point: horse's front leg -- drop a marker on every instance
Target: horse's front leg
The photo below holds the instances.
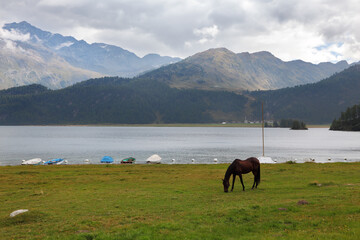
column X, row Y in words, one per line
column 240, row 175
column 234, row 175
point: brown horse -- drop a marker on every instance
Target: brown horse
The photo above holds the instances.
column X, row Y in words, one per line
column 239, row 167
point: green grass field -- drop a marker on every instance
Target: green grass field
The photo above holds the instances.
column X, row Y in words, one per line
column 179, row 202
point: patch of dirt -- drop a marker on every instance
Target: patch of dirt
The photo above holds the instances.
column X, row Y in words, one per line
column 302, row 202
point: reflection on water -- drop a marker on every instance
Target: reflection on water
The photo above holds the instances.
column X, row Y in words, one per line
column 180, row 143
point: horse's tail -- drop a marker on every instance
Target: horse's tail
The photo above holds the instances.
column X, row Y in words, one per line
column 257, row 178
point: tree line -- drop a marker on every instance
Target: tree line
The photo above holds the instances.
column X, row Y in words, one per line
column 348, row 120
column 115, row 100
column 288, row 123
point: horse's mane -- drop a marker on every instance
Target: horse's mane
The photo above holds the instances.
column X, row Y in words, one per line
column 229, row 171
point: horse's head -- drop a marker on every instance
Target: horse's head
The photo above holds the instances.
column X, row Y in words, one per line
column 226, row 185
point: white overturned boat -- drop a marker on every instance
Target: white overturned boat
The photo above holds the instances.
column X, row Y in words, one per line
column 34, row 161
column 266, row 160
column 155, row 159
column 65, row 162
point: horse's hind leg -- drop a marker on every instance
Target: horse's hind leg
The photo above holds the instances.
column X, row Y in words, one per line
column 254, row 180
column 242, row 182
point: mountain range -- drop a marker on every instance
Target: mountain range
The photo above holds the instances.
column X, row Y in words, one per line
column 221, row 69
column 22, row 63
column 32, row 55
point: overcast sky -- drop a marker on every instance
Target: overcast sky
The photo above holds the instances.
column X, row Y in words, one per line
column 311, row 30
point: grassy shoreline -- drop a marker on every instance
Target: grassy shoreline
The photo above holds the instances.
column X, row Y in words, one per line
column 179, row 202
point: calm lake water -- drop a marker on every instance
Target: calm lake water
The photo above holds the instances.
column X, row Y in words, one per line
column 180, row 143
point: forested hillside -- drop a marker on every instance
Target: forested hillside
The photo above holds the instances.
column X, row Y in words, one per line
column 116, row 100
column 348, row 120
column 120, row 101
column 314, row 103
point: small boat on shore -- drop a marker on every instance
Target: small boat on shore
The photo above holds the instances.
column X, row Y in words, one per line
column 55, row 161
column 34, row 161
column 128, row 160
column 107, row 159
column 154, row 159
column 62, row 162
column 263, row 159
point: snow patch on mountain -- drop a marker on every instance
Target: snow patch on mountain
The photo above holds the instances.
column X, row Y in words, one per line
column 65, row 44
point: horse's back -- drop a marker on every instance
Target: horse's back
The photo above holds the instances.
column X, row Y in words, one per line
column 254, row 161
column 245, row 166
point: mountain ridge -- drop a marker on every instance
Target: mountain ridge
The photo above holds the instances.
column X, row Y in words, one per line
column 222, row 69
column 23, row 64
column 99, row 57
column 213, row 69
column 76, row 60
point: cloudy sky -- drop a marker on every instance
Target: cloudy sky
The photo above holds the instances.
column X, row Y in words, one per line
column 311, row 30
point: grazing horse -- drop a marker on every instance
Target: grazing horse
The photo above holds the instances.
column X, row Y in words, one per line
column 239, row 167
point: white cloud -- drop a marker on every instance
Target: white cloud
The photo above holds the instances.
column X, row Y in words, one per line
column 13, row 35
column 290, row 29
column 62, row 3
column 9, row 38
column 207, row 32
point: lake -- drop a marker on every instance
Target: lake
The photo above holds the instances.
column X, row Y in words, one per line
column 203, row 144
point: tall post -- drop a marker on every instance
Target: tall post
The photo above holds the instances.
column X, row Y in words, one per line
column 262, row 114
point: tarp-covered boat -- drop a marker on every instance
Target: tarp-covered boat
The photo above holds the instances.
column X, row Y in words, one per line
column 128, row 160
column 55, row 161
column 107, row 159
column 154, row 159
column 34, row 161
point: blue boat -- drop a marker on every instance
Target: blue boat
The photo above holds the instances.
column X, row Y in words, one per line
column 107, row 159
column 55, row 161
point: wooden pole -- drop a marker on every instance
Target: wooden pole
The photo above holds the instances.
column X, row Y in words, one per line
column 262, row 114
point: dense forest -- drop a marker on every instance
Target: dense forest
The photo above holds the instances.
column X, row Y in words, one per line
column 319, row 102
column 348, row 121
column 114, row 100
